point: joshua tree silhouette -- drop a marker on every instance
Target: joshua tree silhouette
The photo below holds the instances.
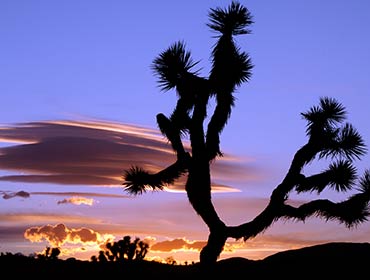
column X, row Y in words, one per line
column 125, row 249
column 49, row 254
column 327, row 136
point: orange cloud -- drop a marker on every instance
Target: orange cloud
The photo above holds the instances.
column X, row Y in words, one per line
column 60, row 234
column 183, row 244
column 77, row 200
column 178, row 244
column 256, row 248
column 95, row 153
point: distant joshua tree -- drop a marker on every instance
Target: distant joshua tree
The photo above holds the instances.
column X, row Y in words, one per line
column 171, row 260
column 49, row 254
column 124, row 249
column 328, row 138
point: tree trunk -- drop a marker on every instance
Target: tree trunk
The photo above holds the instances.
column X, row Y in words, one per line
column 198, row 188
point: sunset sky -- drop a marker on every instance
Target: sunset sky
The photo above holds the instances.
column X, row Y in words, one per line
column 78, row 107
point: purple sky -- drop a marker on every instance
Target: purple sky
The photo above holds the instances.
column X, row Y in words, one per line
column 79, row 102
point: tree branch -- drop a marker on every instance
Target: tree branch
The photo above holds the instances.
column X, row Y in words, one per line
column 138, row 181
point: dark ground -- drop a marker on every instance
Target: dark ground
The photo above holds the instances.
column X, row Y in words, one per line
column 326, row 261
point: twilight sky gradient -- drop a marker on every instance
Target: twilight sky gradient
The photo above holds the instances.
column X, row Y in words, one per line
column 78, row 106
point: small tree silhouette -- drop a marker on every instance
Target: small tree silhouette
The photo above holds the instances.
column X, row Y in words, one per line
column 124, row 249
column 328, row 138
column 171, row 260
column 49, row 254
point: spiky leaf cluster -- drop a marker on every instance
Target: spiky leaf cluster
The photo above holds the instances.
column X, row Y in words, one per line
column 172, row 65
column 333, row 139
column 325, row 116
column 340, row 176
column 230, row 21
column 138, row 181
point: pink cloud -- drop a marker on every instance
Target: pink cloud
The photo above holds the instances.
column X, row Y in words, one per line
column 94, row 153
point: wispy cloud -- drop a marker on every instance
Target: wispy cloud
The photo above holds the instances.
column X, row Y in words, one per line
column 8, row 195
column 43, row 218
column 77, row 198
column 24, row 194
column 88, row 194
column 94, row 153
